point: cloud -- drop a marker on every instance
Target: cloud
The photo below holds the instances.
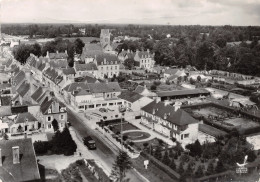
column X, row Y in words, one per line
column 183, row 12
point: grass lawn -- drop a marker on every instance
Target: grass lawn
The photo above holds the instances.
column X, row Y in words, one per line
column 140, row 145
column 126, row 126
column 153, row 173
column 137, row 135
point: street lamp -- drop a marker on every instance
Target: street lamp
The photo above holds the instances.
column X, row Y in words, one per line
column 122, row 110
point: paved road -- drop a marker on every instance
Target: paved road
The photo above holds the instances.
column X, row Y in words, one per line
column 104, row 151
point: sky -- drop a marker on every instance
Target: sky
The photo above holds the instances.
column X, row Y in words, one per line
column 172, row 12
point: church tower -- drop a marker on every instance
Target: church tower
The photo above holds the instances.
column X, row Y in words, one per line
column 105, row 37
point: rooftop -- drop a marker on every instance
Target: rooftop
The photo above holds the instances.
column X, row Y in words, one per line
column 130, row 96
column 167, row 112
column 104, row 87
column 85, row 67
column 182, row 92
column 211, row 130
column 26, row 169
column 26, row 116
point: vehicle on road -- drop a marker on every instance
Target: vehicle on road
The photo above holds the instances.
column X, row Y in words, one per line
column 89, row 142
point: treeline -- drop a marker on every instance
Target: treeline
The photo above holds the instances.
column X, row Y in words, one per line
column 22, row 52
column 156, row 32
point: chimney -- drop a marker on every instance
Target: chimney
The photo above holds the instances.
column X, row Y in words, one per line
column 66, row 52
column 25, row 135
column 1, row 163
column 165, row 116
column 153, row 111
column 16, row 155
column 158, row 99
column 148, row 50
column 166, row 103
column 47, row 54
column 105, row 61
column 123, row 50
column 177, row 105
column 128, row 50
column 57, row 52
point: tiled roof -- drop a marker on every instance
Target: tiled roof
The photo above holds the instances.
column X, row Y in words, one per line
column 182, row 92
column 211, row 130
column 38, row 92
column 179, row 117
column 171, row 71
column 86, row 67
column 45, row 105
column 5, row 86
column 31, row 61
column 26, row 169
column 104, row 87
column 8, row 62
column 68, row 71
column 139, row 89
column 91, row 53
column 58, row 63
column 19, row 77
column 23, row 89
column 26, row 116
column 130, row 96
column 76, row 86
column 89, row 79
column 110, row 59
column 5, row 111
column 6, row 101
column 53, row 75
column 59, row 55
column 144, row 53
column 93, row 47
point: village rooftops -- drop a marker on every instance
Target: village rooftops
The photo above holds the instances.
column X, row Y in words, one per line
column 167, row 112
column 68, row 71
column 25, row 117
column 130, row 96
column 204, row 128
column 76, row 86
column 85, row 67
column 19, row 77
column 183, row 92
column 46, row 105
column 107, row 59
column 104, row 87
column 26, row 167
column 23, row 89
column 57, row 55
column 38, row 92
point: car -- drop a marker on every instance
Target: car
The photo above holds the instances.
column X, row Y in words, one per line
column 89, row 142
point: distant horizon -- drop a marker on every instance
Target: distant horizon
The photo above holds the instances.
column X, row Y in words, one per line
column 150, row 12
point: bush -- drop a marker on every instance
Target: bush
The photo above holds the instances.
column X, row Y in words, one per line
column 41, row 147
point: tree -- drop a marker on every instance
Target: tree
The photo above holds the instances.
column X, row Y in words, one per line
column 153, row 87
column 199, row 173
column 210, row 169
column 199, row 78
column 166, row 160
column 172, row 164
column 121, row 166
column 5, row 136
column 129, row 63
column 220, row 167
column 158, row 152
column 189, row 170
column 180, row 168
column 55, row 125
column 192, row 81
column 78, row 44
column 251, row 156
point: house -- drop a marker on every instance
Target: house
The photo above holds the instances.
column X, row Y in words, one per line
column 50, row 110
column 174, row 74
column 108, row 65
column 57, row 56
column 86, row 96
column 170, row 121
column 89, row 68
column 52, row 78
column 142, row 90
column 18, row 161
column 134, row 101
column 68, row 73
column 123, row 55
column 144, row 59
column 24, row 122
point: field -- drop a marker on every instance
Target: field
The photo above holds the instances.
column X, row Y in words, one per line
column 126, row 126
column 137, row 135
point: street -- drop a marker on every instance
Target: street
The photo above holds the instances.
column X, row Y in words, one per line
column 104, row 152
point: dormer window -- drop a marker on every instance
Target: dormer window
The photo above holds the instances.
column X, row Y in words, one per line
column 61, row 109
column 165, row 116
column 49, row 110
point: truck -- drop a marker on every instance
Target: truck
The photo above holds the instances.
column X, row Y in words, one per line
column 89, row 142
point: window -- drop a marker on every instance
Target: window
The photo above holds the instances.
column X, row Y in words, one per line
column 186, row 135
column 81, row 107
column 115, row 67
column 98, row 105
column 62, row 117
column 49, row 118
column 111, row 104
column 181, row 137
column 101, row 68
column 49, row 126
column 91, row 106
column 119, row 103
column 104, row 104
column 49, row 110
column 61, row 125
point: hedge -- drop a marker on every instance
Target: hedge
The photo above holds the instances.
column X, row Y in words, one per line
column 160, row 165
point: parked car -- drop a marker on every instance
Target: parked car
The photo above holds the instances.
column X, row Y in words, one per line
column 89, row 142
